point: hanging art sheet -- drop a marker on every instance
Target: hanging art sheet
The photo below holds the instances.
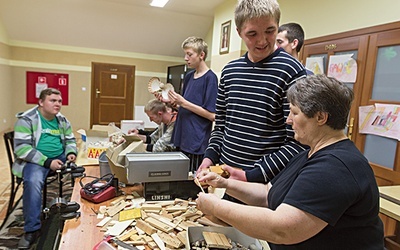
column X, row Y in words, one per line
column 315, row 64
column 343, row 68
column 381, row 120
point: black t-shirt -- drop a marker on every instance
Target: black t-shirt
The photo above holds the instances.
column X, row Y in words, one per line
column 338, row 186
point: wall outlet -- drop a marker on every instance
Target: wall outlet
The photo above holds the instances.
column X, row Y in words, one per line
column 5, row 120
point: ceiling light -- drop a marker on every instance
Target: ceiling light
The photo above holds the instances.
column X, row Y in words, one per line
column 159, row 3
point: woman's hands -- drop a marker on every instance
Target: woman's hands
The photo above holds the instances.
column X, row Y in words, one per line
column 207, row 203
column 212, row 179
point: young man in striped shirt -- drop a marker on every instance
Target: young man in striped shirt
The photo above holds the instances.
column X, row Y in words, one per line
column 250, row 130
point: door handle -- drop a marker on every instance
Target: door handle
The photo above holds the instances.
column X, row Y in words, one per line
column 97, row 93
column 351, row 125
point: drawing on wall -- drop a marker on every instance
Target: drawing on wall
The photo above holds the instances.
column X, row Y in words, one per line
column 380, row 119
column 343, row 68
column 315, row 64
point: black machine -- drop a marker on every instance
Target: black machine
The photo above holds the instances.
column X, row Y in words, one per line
column 59, row 206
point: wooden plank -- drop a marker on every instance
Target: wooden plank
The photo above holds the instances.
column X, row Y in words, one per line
column 119, row 227
column 147, row 228
column 158, row 241
column 159, row 225
column 151, row 207
column 126, row 235
column 170, row 241
column 113, row 210
column 216, row 240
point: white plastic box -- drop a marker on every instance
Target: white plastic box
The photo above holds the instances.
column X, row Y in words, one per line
column 127, row 125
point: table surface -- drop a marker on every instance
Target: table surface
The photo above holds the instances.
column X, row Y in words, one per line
column 82, row 233
column 388, row 207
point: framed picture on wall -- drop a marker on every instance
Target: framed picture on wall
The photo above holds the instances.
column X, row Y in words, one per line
column 225, row 37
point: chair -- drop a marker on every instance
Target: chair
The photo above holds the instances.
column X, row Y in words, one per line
column 16, row 181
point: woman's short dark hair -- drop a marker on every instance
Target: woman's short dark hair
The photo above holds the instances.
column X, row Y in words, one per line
column 319, row 93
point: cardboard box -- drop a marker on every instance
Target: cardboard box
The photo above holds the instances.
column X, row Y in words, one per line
column 116, row 157
column 97, row 139
column 155, row 167
column 196, row 234
column 96, row 143
column 110, row 129
column 127, row 125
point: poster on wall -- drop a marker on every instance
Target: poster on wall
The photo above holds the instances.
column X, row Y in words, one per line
column 37, row 81
column 381, row 120
column 315, row 64
column 343, row 68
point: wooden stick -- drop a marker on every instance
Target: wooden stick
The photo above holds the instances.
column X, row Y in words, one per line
column 196, row 180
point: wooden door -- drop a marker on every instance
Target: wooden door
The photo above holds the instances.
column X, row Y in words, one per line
column 377, row 52
column 381, row 85
column 112, row 95
column 325, row 48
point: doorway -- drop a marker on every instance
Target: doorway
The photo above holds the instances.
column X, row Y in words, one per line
column 175, row 76
column 112, row 93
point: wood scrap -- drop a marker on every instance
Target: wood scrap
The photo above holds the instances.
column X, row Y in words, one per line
column 171, row 242
column 118, row 199
column 159, row 225
column 162, row 219
column 119, row 227
column 182, row 236
column 147, row 228
column 127, row 234
column 158, row 241
column 103, row 222
column 113, row 210
column 151, row 207
column 216, row 240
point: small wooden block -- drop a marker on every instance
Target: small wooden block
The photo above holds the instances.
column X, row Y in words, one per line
column 182, row 236
column 115, row 201
column 218, row 170
column 169, row 240
column 126, row 235
column 113, row 210
column 158, row 241
column 103, row 222
column 159, row 225
column 152, row 245
column 147, row 228
column 216, row 240
column 151, row 207
column 177, row 208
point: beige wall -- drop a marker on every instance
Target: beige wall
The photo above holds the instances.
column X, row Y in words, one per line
column 16, row 59
column 318, row 19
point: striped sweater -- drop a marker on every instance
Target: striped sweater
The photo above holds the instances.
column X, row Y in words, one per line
column 27, row 132
column 250, row 125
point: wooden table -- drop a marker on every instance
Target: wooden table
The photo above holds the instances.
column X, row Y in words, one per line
column 390, row 201
column 390, row 206
column 82, row 233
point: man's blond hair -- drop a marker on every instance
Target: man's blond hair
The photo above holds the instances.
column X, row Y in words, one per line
column 249, row 9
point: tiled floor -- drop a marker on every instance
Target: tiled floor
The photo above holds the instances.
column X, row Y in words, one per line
column 5, row 180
